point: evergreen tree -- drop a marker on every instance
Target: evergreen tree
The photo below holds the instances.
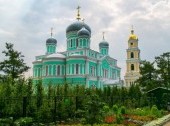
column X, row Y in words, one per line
column 148, row 80
column 14, row 64
column 163, row 64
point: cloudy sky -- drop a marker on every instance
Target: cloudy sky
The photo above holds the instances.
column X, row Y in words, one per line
column 27, row 23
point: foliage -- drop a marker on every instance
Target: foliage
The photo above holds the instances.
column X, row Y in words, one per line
column 27, row 121
column 93, row 110
column 155, row 112
column 14, row 65
column 115, row 109
column 65, row 104
column 163, row 68
column 123, row 110
column 156, row 73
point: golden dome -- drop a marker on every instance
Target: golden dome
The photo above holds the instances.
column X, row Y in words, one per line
column 132, row 35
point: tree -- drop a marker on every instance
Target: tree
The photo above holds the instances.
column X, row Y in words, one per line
column 93, row 110
column 148, row 79
column 14, row 65
column 163, row 64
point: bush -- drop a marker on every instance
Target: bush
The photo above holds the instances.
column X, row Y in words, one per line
column 155, row 112
column 119, row 118
column 6, row 121
column 115, row 109
column 123, row 110
column 106, row 109
column 27, row 121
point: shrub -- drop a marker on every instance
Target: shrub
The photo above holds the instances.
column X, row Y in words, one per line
column 155, row 112
column 115, row 109
column 6, row 121
column 106, row 109
column 27, row 121
column 123, row 110
column 119, row 118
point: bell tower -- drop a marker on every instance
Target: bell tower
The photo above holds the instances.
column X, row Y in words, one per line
column 133, row 60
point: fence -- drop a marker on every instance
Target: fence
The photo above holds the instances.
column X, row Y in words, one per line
column 54, row 109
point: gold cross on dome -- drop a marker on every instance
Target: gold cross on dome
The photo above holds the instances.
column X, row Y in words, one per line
column 78, row 13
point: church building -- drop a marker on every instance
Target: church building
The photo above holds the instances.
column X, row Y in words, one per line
column 79, row 64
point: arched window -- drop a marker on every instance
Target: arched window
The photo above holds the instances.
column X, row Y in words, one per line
column 132, row 55
column 77, row 69
column 46, row 71
column 58, row 70
column 77, row 44
column 132, row 67
column 84, row 42
column 50, row 70
column 71, row 43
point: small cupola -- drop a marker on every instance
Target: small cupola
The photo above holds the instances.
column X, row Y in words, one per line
column 132, row 36
column 51, row 44
column 104, row 46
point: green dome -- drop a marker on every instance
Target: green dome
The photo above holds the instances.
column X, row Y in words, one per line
column 103, row 44
column 51, row 41
column 83, row 32
column 76, row 26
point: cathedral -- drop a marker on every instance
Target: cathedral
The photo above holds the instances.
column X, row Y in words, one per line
column 79, row 64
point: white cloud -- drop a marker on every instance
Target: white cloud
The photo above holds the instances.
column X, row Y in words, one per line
column 27, row 24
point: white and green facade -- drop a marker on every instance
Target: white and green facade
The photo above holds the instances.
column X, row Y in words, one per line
column 78, row 64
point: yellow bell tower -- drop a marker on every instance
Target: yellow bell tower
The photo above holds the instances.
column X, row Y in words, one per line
column 133, row 60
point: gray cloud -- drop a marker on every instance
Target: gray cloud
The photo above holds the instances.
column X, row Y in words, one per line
column 27, row 24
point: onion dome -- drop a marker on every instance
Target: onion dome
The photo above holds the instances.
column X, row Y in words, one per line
column 103, row 44
column 83, row 32
column 132, row 36
column 51, row 41
column 76, row 26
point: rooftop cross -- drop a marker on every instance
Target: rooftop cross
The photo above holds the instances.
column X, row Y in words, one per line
column 103, row 35
column 51, row 31
column 78, row 13
column 132, row 31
